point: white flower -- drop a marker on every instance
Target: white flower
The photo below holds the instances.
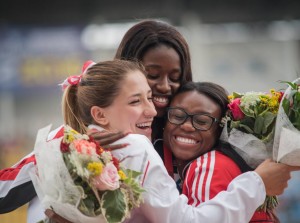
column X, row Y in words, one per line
column 106, row 156
column 78, row 162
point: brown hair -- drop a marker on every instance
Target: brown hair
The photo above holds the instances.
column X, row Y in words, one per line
column 98, row 87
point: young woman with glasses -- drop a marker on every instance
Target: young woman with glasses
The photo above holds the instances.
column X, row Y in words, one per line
column 205, row 165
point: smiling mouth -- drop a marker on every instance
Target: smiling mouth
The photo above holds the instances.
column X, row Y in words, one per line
column 144, row 125
column 185, row 140
column 163, row 101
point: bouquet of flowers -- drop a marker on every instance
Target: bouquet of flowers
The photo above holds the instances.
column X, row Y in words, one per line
column 286, row 147
column 249, row 127
column 81, row 181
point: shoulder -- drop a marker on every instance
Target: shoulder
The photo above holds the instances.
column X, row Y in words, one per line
column 135, row 139
column 56, row 133
column 224, row 160
column 138, row 145
column 214, row 161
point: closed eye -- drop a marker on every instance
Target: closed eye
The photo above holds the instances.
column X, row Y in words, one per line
column 134, row 102
column 152, row 76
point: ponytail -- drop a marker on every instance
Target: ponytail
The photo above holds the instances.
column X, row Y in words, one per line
column 71, row 111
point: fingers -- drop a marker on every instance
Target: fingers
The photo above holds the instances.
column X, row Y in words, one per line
column 294, row 168
column 116, row 146
column 55, row 217
column 106, row 138
column 49, row 213
column 275, row 176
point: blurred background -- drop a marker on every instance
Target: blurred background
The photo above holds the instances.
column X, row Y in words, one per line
column 242, row 45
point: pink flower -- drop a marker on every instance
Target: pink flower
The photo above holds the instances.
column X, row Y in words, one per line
column 108, row 179
column 235, row 109
column 84, row 147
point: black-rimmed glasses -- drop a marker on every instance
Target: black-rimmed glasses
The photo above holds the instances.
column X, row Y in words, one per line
column 202, row 122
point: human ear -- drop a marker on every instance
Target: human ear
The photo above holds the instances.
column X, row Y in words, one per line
column 99, row 116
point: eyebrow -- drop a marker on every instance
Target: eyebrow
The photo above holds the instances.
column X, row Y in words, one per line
column 138, row 94
column 158, row 66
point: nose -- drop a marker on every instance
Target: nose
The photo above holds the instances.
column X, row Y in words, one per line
column 163, row 85
column 150, row 111
column 187, row 125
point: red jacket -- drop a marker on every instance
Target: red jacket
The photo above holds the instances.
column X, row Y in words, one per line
column 210, row 174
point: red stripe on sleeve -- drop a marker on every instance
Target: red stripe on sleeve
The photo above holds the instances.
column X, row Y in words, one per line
column 147, row 167
column 11, row 173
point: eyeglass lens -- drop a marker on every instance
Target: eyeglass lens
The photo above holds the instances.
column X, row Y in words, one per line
column 199, row 121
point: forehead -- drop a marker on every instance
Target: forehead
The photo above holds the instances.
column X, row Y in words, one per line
column 193, row 102
column 134, row 80
column 162, row 53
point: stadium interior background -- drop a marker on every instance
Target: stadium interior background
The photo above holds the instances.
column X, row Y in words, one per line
column 242, row 45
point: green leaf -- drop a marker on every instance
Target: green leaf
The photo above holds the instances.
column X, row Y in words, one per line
column 249, row 113
column 258, row 125
column 269, row 119
column 294, row 86
column 114, row 206
column 234, row 124
column 246, row 129
column 297, row 99
column 296, row 122
column 286, row 105
column 133, row 188
column 236, row 95
column 132, row 173
column 269, row 204
column 269, row 136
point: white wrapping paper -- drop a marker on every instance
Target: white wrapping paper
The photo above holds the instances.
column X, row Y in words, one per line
column 53, row 183
column 253, row 150
column 286, row 148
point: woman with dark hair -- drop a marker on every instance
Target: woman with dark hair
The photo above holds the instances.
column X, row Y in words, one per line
column 205, row 164
column 165, row 55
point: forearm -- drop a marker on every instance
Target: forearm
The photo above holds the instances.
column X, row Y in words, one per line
column 16, row 188
column 244, row 194
column 237, row 204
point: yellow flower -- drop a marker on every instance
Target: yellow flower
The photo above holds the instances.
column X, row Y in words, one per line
column 95, row 168
column 122, row 175
column 230, row 97
column 70, row 135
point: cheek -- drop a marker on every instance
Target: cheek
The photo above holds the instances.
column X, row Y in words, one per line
column 175, row 87
column 209, row 140
column 126, row 120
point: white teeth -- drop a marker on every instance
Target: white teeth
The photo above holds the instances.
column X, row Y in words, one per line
column 143, row 125
column 186, row 140
column 161, row 99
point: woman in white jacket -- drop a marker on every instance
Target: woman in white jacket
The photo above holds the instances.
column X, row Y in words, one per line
column 115, row 95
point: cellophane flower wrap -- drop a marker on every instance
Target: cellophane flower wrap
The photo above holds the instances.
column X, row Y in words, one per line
column 286, row 147
column 81, row 181
column 249, row 127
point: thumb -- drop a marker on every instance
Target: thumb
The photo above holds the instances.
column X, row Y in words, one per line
column 294, row 168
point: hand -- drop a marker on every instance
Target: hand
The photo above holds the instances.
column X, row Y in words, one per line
column 106, row 138
column 275, row 176
column 55, row 218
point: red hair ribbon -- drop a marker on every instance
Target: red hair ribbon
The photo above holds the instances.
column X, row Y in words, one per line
column 75, row 79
